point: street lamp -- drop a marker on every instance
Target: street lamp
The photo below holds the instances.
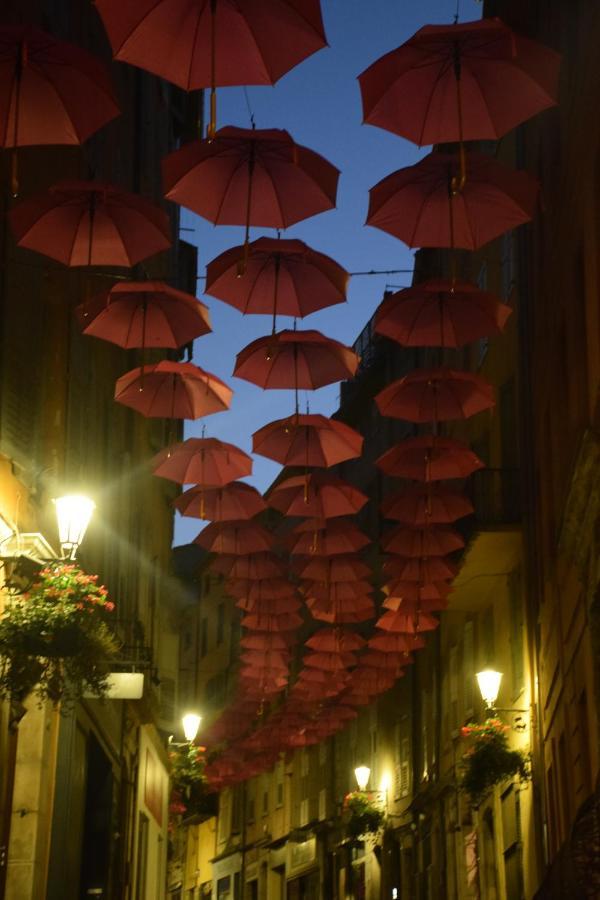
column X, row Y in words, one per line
column 362, row 773
column 489, row 686
column 73, row 514
column 191, row 724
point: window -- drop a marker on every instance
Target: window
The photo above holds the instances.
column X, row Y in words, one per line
column 511, row 828
column 203, row 637
column 322, row 804
column 265, row 802
column 220, row 623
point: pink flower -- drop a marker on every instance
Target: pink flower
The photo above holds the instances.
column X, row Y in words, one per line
column 109, row 605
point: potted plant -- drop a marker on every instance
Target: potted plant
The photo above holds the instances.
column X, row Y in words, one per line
column 188, row 779
column 362, row 816
column 55, row 640
column 489, row 759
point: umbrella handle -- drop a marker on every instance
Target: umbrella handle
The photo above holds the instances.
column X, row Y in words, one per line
column 458, row 183
column 20, row 63
column 276, row 289
column 212, row 125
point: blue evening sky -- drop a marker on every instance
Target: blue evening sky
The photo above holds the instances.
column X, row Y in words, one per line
column 319, row 104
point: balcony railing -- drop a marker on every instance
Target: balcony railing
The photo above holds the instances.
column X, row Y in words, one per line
column 495, row 494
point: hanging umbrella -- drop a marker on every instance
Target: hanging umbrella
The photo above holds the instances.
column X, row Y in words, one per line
column 275, row 659
column 248, row 176
column 338, row 568
column 441, row 313
column 336, row 538
column 144, row 314
column 209, row 43
column 173, row 390
column 375, row 659
column 269, row 606
column 87, row 223
column 307, row 440
column 417, row 204
column 420, row 569
column 407, row 623
column 335, row 640
column 375, row 681
column 264, row 642
column 239, row 537
column 396, row 643
column 464, row 82
column 415, row 591
column 433, row 504
column 422, row 541
column 51, row 92
column 345, row 612
column 283, row 622
column 236, row 500
column 254, row 565
column 413, row 606
column 320, row 494
column 337, row 591
column 206, row 461
column 436, row 395
column 429, row 458
column 330, row 662
column 281, row 277
column 303, row 360
column 263, row 589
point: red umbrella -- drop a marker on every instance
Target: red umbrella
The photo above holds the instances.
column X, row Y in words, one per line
column 337, row 591
column 337, row 537
column 269, row 605
column 264, row 642
column 283, row 622
column 264, row 589
column 173, row 390
column 436, row 395
column 145, row 314
column 430, row 505
column 407, row 623
column 320, row 494
column 307, row 440
column 275, row 659
column 422, row 541
column 417, row 205
column 209, row 43
column 235, row 500
column 468, row 81
column 345, row 612
column 87, row 223
column 413, row 606
column 339, row 568
column 281, row 277
column 441, row 313
column 429, row 458
column 304, row 360
column 375, row 681
column 330, row 662
column 396, row 643
column 247, row 176
column 375, row 659
column 335, row 640
column 416, row 592
column 422, row 569
column 240, row 537
column 206, row 461
column 51, row 92
column 254, row 565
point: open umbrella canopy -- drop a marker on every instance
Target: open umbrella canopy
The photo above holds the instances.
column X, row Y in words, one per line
column 268, row 623
column 206, row 461
column 467, row 81
column 376, row 659
column 415, row 591
column 335, row 640
column 304, row 360
column 432, row 504
column 247, row 176
column 429, row 458
column 330, row 662
column 260, row 589
column 88, row 223
column 322, row 495
column 264, row 642
column 240, row 537
column 173, row 390
column 199, row 43
column 269, row 606
column 421, row 570
column 417, row 205
column 432, row 541
column 396, row 643
column 144, row 314
column 307, row 440
column 259, row 659
column 441, row 313
column 337, row 568
column 436, row 395
column 414, row 606
column 236, row 500
column 336, row 538
column 281, row 277
column 407, row 622
column 337, row 591
column 342, row 612
column 51, row 92
column 252, row 565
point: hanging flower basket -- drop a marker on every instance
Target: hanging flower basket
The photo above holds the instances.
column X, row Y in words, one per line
column 361, row 816
column 489, row 760
column 55, row 640
column 188, row 779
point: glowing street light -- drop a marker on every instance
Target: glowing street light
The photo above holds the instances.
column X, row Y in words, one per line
column 73, row 514
column 489, row 686
column 191, row 724
column 362, row 774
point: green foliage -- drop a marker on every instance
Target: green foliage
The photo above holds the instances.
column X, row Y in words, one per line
column 489, row 760
column 187, row 766
column 54, row 640
column 362, row 816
